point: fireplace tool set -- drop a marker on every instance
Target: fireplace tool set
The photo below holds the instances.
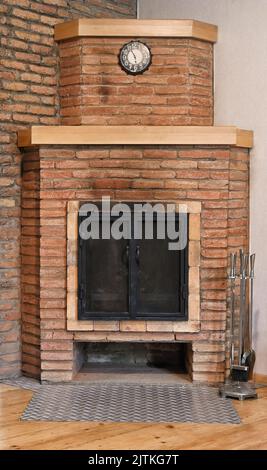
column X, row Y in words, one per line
column 241, row 367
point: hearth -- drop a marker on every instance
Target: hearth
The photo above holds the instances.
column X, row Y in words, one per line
column 132, row 278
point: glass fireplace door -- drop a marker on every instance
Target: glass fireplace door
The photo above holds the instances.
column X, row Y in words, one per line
column 132, row 279
column 104, row 279
column 158, row 278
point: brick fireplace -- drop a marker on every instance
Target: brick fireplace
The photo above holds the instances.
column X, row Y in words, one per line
column 141, row 138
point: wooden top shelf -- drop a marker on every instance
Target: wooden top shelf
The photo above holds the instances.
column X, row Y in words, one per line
column 135, row 135
column 136, row 28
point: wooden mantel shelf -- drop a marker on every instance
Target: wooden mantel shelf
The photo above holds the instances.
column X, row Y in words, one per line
column 135, row 135
column 136, row 28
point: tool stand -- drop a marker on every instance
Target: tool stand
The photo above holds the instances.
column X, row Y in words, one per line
column 238, row 385
column 240, row 390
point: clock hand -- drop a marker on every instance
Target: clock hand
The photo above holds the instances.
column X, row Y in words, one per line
column 134, row 56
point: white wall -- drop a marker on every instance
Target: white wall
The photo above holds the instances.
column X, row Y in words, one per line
column 240, row 99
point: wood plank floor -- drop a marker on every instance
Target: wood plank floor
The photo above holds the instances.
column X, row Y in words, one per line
column 14, row 434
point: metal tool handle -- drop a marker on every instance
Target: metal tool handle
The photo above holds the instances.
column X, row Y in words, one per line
column 252, row 265
column 246, row 266
column 232, row 265
column 241, row 254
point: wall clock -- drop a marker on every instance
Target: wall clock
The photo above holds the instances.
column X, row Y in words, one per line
column 135, row 57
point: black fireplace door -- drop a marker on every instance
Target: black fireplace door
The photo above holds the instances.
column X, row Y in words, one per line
column 132, row 279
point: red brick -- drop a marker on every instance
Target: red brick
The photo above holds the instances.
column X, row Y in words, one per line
column 208, row 194
column 160, row 153
column 211, row 378
column 28, row 15
column 56, row 376
column 53, row 324
column 25, row 118
column 57, row 356
column 13, row 64
column 192, row 174
column 214, row 232
column 215, row 278
column 216, row 184
column 205, row 153
column 147, row 184
column 56, row 345
column 209, row 357
column 31, row 77
column 208, row 347
column 214, row 243
column 212, row 367
column 214, row 214
column 214, row 315
column 181, row 184
column 17, row 44
column 214, row 253
column 57, row 365
column 214, row 263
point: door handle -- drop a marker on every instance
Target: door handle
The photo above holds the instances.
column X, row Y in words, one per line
column 125, row 255
column 137, row 255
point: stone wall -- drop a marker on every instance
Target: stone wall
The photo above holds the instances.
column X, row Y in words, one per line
column 28, row 95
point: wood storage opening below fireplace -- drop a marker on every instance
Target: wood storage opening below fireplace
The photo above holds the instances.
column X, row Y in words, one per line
column 133, row 362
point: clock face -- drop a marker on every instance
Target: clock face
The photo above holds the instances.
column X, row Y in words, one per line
column 135, row 57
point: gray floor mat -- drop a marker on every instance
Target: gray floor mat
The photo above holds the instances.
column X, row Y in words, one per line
column 122, row 402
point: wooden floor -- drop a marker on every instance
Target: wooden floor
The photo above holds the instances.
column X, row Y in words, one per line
column 14, row 434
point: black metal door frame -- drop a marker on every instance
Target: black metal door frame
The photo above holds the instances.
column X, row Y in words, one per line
column 132, row 259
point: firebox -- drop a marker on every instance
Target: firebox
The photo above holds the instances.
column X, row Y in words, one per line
column 138, row 277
